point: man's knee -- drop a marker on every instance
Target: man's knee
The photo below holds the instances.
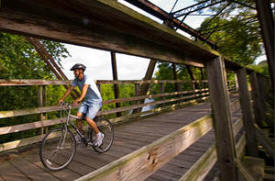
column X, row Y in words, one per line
column 88, row 119
column 79, row 115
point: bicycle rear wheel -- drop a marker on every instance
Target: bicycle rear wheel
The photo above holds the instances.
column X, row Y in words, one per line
column 57, row 149
column 106, row 127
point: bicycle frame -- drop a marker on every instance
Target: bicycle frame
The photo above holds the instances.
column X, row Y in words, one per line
column 69, row 122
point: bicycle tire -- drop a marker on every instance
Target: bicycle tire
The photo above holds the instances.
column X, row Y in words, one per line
column 49, row 141
column 106, row 127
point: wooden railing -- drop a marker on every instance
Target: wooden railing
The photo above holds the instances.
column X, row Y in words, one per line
column 174, row 101
column 145, row 161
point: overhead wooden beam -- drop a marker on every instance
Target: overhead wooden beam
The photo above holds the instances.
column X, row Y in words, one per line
column 222, row 119
column 96, row 37
column 247, row 113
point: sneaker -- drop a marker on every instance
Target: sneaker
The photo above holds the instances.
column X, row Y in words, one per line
column 77, row 139
column 99, row 139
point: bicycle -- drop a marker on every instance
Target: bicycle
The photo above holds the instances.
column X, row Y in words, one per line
column 58, row 147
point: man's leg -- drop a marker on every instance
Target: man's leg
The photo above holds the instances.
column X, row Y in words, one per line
column 91, row 113
column 79, row 123
column 92, row 124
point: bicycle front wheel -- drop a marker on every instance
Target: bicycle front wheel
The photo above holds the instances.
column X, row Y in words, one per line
column 106, row 127
column 57, row 149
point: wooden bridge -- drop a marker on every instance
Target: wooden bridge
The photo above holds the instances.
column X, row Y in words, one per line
column 173, row 141
column 184, row 131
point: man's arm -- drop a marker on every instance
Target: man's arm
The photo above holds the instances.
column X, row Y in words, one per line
column 83, row 93
column 69, row 90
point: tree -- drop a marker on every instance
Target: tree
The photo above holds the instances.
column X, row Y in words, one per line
column 237, row 37
column 19, row 60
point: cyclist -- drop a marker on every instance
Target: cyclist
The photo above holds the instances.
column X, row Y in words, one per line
column 90, row 98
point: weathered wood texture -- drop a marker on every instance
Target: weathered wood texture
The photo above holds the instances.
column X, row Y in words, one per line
column 128, row 138
column 207, row 161
column 45, row 123
column 257, row 101
column 31, row 82
column 266, row 20
column 143, row 89
column 141, row 163
column 128, row 32
column 49, row 60
column 247, row 113
column 223, row 120
column 14, row 113
column 265, row 141
column 115, row 77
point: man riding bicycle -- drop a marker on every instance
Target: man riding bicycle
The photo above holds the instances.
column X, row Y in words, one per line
column 92, row 100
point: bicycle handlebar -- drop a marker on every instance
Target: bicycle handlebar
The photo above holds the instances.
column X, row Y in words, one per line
column 66, row 105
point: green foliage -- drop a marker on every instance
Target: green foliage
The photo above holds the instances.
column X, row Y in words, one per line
column 260, row 68
column 235, row 30
column 19, row 60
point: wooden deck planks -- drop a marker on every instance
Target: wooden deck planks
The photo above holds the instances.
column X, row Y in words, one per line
column 32, row 171
column 10, row 173
column 128, row 138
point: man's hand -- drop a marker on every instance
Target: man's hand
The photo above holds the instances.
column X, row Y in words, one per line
column 76, row 102
column 60, row 101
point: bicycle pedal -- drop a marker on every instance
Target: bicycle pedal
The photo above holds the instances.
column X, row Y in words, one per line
column 90, row 144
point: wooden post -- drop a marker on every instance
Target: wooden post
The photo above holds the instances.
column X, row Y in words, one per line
column 236, row 83
column 175, row 76
column 251, row 142
column 41, row 102
column 145, row 87
column 115, row 77
column 222, row 120
column 137, row 93
column 264, row 13
column 162, row 87
column 202, row 78
column 258, row 103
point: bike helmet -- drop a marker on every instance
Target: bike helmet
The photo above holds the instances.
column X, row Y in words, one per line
column 78, row 66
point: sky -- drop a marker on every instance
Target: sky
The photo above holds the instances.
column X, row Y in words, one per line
column 98, row 62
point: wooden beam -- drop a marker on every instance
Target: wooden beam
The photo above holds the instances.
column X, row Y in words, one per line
column 28, row 126
column 14, row 113
column 175, row 76
column 30, row 82
column 265, row 142
column 264, row 13
column 202, row 167
column 148, row 75
column 258, row 103
column 121, row 109
column 48, row 59
column 98, row 37
column 143, row 162
column 145, row 87
column 192, row 76
column 222, row 116
column 247, row 113
column 115, row 77
column 244, row 173
column 182, row 93
column 35, row 139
